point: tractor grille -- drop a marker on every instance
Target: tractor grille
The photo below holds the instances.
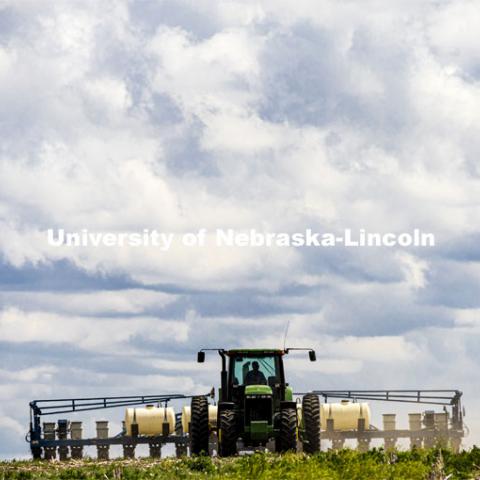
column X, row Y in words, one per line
column 258, row 407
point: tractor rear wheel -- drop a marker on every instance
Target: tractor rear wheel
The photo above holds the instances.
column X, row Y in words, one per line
column 199, row 430
column 311, row 423
column 287, row 439
column 227, row 445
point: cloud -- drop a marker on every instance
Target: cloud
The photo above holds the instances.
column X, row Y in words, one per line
column 127, row 301
column 101, row 334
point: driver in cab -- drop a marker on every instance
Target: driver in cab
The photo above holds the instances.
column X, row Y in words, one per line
column 255, row 376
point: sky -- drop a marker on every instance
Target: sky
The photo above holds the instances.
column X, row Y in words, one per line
column 277, row 115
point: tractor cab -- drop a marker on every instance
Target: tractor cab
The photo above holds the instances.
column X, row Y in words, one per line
column 250, row 367
column 255, row 372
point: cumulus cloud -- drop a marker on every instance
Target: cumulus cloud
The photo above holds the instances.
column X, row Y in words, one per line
column 99, row 334
column 274, row 115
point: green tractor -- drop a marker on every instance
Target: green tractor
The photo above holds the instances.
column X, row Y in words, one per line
column 255, row 406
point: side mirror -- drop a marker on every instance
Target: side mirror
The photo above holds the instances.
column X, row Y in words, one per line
column 200, row 357
column 312, row 356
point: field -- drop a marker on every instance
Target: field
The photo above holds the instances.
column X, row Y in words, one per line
column 343, row 465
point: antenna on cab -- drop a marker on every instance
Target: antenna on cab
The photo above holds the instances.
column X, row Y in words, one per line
column 285, row 334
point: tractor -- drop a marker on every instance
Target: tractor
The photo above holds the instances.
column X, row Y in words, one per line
column 255, row 406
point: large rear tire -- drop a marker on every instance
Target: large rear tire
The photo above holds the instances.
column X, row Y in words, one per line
column 199, row 430
column 311, row 422
column 228, row 434
column 287, row 440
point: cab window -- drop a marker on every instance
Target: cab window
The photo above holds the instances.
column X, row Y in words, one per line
column 251, row 370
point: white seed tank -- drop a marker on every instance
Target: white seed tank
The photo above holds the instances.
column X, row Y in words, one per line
column 299, row 413
column 186, row 416
column 212, row 416
column 345, row 415
column 150, row 420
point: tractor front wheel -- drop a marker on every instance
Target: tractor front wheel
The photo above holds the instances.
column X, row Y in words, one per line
column 311, row 422
column 199, row 430
column 227, row 441
column 287, row 440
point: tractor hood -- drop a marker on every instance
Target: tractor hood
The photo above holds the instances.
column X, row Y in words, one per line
column 258, row 390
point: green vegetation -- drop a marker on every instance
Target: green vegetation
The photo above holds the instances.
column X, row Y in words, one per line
column 343, row 465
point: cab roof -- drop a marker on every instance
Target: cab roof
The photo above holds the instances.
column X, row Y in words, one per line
column 255, row 351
